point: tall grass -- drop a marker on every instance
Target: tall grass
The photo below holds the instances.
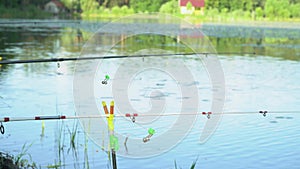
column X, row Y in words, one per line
column 60, row 144
column 74, row 142
column 23, row 162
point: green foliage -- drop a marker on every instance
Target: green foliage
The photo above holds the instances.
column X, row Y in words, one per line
column 224, row 10
column 270, row 9
column 236, row 5
column 212, row 13
column 68, row 3
column 248, row 5
column 22, row 3
column 115, row 10
column 211, row 4
column 192, row 166
column 295, row 10
column 224, row 4
column 88, row 5
column 189, row 6
column 23, row 162
column 147, row 5
column 284, row 13
column 237, row 13
column 126, row 11
column 277, row 9
column 72, row 5
column 170, row 7
column 29, row 11
column 259, row 12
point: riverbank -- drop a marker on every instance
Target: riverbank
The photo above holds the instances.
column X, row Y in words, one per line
column 6, row 161
column 264, row 23
column 31, row 12
column 200, row 19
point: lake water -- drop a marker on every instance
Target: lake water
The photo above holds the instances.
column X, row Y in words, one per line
column 268, row 80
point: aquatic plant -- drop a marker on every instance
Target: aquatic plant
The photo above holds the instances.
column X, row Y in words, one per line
column 55, row 165
column 60, row 142
column 22, row 162
column 86, row 157
column 73, row 135
column 74, row 143
column 192, row 166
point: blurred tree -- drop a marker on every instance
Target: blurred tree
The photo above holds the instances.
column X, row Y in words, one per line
column 170, row 7
column 277, row 8
column 224, row 4
column 236, row 5
column 294, row 1
column 88, row 5
column 147, row 5
column 248, row 5
column 211, row 4
column 258, row 3
column 112, row 3
column 189, row 6
column 270, row 8
column 22, row 3
column 259, row 12
column 295, row 10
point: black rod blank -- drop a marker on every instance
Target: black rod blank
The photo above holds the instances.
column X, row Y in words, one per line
column 6, row 62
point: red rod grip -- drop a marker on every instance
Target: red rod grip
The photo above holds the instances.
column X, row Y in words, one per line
column 105, row 107
column 112, row 107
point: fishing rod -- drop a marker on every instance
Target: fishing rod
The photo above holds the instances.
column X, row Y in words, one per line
column 135, row 115
column 5, row 62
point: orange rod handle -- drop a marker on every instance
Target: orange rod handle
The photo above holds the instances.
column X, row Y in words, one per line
column 112, row 107
column 105, row 107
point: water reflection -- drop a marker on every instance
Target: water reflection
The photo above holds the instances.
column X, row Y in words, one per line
column 20, row 43
column 44, row 40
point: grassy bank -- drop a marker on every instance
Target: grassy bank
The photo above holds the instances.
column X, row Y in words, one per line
column 212, row 15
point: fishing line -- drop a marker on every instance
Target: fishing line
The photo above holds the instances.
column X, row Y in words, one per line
column 5, row 62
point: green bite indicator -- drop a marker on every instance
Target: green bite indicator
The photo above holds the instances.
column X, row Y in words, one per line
column 106, row 79
column 151, row 131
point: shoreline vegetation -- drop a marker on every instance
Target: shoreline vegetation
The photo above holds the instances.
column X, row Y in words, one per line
column 214, row 10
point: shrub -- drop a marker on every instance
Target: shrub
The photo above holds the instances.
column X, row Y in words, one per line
column 170, row 7
column 295, row 12
column 116, row 10
column 259, row 12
